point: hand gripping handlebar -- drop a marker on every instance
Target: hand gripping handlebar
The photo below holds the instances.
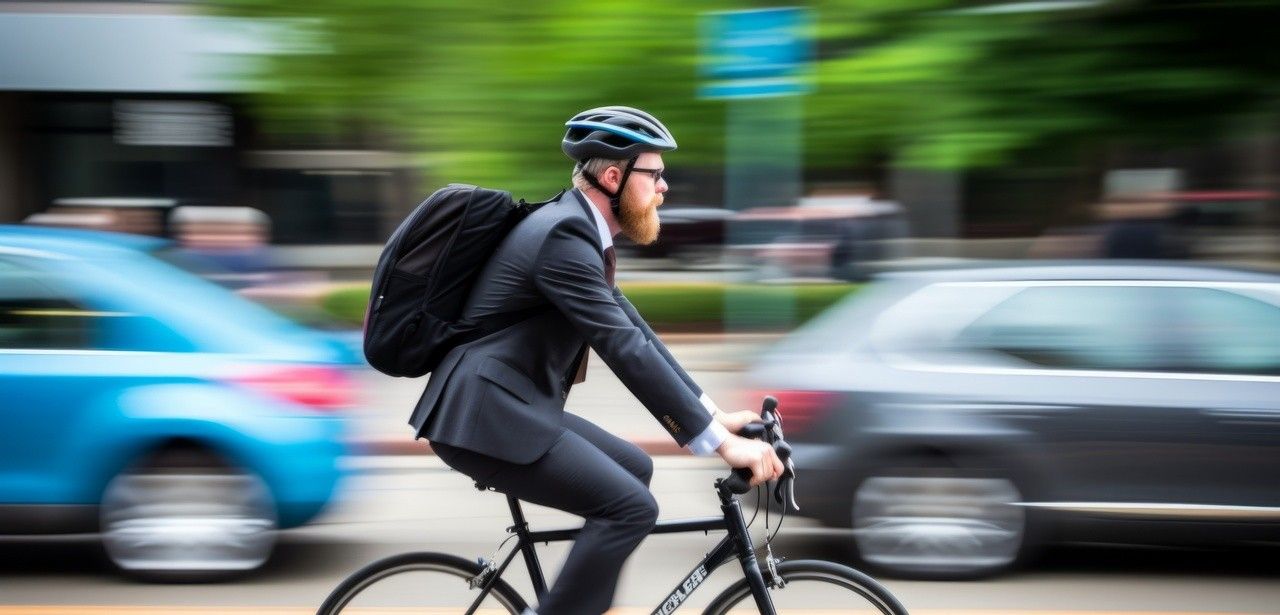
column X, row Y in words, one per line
column 769, row 430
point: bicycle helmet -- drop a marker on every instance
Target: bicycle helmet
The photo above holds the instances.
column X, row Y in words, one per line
column 615, row 133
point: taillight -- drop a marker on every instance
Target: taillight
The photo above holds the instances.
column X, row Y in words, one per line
column 799, row 409
column 314, row 386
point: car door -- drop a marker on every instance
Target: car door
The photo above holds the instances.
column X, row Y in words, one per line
column 1230, row 349
column 51, row 370
column 1088, row 365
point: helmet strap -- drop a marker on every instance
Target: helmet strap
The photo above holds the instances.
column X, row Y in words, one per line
column 615, row 198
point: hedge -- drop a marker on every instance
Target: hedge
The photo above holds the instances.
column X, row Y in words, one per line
column 679, row 306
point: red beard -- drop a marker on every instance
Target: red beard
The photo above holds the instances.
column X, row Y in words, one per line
column 638, row 222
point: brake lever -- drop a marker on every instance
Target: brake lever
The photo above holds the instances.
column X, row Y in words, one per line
column 791, row 489
column 773, row 419
column 788, row 482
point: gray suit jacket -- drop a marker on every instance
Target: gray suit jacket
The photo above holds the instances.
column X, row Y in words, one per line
column 503, row 395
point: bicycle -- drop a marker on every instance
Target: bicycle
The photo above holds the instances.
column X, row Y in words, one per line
column 479, row 585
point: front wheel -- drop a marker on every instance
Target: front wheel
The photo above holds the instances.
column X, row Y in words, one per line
column 812, row 586
column 437, row 582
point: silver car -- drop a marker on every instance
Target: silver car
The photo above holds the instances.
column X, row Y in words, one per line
column 955, row 419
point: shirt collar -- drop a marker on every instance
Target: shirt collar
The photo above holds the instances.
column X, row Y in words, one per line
column 606, row 238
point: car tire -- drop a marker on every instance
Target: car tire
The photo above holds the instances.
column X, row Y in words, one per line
column 931, row 519
column 169, row 519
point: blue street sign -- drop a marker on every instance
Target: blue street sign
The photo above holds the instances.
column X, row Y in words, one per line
column 755, row 53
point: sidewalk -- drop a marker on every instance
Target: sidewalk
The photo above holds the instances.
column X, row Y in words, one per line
column 715, row 361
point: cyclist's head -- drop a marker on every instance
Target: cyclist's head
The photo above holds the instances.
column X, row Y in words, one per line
column 605, row 138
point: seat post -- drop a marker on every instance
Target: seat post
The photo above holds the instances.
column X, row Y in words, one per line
column 517, row 515
column 521, row 528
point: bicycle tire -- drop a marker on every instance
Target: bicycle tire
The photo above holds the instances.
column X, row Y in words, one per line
column 868, row 591
column 453, row 565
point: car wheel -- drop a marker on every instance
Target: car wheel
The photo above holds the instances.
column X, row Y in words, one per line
column 183, row 523
column 938, row 523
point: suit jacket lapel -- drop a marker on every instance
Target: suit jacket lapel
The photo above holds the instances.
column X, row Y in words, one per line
column 579, row 370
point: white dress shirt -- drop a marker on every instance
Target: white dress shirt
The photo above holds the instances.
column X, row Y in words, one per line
column 709, row 440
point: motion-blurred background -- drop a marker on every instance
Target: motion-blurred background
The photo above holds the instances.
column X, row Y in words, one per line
column 1008, row 265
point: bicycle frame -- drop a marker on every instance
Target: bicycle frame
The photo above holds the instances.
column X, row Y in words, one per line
column 738, row 542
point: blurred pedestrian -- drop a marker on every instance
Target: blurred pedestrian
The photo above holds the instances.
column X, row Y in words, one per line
column 231, row 239
column 1139, row 227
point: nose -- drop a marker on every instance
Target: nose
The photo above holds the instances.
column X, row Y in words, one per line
column 661, row 186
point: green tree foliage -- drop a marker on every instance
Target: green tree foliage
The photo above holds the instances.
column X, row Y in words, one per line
column 482, row 88
column 964, row 84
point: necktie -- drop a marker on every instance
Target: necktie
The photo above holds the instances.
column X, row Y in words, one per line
column 610, row 267
column 610, row 264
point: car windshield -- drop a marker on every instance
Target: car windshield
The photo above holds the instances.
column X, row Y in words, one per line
column 842, row 327
column 218, row 318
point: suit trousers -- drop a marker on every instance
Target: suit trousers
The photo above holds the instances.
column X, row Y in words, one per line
column 590, row 473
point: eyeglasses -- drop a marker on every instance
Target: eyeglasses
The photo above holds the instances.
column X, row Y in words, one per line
column 656, row 173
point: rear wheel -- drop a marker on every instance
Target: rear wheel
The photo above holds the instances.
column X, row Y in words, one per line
column 812, row 587
column 184, row 515
column 438, row 583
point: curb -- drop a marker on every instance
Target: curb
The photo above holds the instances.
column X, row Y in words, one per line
column 651, row 446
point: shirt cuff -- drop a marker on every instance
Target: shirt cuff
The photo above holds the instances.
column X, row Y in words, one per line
column 706, row 443
column 709, row 405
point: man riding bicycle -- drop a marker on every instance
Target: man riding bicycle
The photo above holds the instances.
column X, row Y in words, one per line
column 494, row 408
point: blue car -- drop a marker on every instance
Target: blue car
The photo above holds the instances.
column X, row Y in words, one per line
column 182, row 422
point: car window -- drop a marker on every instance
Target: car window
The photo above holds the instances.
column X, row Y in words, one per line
column 1227, row 332
column 33, row 315
column 1074, row 327
column 42, row 310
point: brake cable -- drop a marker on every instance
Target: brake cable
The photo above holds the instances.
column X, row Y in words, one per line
column 759, row 496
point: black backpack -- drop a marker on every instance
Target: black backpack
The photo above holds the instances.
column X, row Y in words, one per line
column 426, row 272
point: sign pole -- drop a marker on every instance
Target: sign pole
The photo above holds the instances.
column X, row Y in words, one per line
column 756, row 60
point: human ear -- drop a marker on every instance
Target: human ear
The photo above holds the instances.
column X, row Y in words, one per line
column 612, row 178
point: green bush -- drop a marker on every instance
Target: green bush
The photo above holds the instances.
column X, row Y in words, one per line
column 737, row 306
column 684, row 306
column 347, row 303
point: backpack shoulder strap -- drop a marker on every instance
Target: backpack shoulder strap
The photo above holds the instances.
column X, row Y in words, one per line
column 497, row 323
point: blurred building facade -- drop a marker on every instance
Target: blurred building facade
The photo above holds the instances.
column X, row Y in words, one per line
column 145, row 104
column 126, row 110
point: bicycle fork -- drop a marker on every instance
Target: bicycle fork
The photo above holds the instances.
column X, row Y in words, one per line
column 746, row 553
